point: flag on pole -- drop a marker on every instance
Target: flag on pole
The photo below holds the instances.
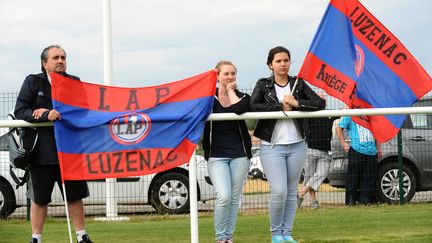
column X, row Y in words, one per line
column 356, row 59
column 112, row 132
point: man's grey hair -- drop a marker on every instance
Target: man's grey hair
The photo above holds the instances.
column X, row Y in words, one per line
column 44, row 54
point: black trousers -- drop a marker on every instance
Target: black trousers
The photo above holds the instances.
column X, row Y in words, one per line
column 360, row 178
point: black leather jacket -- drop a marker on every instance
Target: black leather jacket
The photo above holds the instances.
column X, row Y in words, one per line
column 264, row 98
column 30, row 98
column 239, row 108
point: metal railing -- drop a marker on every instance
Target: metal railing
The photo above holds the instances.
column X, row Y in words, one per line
column 256, row 189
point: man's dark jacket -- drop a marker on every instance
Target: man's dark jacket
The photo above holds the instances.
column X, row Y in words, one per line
column 36, row 94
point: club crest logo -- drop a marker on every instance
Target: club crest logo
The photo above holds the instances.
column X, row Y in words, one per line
column 360, row 60
column 130, row 128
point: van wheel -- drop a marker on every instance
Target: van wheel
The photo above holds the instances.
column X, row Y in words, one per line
column 170, row 194
column 7, row 199
column 388, row 183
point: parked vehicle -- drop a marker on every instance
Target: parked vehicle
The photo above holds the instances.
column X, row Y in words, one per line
column 417, row 160
column 256, row 170
column 167, row 192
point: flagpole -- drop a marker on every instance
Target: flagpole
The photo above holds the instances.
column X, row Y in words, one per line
column 295, row 85
column 193, row 198
column 67, row 211
column 111, row 211
column 111, row 202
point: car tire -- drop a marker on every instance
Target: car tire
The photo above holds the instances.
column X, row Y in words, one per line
column 256, row 174
column 264, row 177
column 7, row 199
column 170, row 194
column 388, row 183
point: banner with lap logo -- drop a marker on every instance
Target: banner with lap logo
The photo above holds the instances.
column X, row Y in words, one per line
column 112, row 132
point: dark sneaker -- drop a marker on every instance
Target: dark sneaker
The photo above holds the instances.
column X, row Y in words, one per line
column 33, row 240
column 299, row 201
column 314, row 205
column 85, row 239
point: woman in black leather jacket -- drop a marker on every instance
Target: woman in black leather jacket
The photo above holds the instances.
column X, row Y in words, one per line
column 283, row 149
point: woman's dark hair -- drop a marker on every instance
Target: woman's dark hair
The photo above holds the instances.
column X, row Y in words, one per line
column 274, row 51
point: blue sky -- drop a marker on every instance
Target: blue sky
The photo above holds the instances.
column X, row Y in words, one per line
column 162, row 41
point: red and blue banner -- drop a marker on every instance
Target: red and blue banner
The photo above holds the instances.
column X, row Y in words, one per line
column 356, row 59
column 112, row 132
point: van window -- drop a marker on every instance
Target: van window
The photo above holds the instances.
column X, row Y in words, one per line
column 419, row 120
column 422, row 121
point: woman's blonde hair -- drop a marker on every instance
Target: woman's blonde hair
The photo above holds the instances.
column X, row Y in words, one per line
column 223, row 63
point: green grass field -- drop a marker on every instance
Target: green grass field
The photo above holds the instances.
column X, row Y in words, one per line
column 382, row 223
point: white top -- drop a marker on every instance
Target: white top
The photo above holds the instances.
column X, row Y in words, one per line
column 285, row 131
column 49, row 78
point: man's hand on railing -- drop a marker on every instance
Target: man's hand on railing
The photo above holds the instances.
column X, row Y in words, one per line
column 39, row 112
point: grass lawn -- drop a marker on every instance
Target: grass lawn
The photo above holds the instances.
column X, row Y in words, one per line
column 381, row 223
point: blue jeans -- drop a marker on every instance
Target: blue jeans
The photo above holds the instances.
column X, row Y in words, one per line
column 283, row 165
column 227, row 176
